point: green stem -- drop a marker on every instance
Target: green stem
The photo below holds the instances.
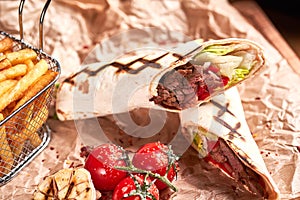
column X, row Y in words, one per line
column 133, row 169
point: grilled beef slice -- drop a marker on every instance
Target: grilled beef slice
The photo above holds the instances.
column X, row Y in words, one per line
column 183, row 86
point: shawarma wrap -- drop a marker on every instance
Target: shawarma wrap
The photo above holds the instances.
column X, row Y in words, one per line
column 219, row 132
column 216, row 66
column 118, row 86
column 170, row 80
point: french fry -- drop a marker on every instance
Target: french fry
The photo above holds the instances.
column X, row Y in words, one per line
column 30, row 64
column 7, row 51
column 5, row 151
column 2, row 172
column 23, row 75
column 18, row 57
column 7, row 111
column 14, row 123
column 28, row 122
column 16, row 135
column 7, row 85
column 38, row 119
column 13, row 72
column 39, row 84
column 23, row 84
column 4, row 62
column 34, row 138
column 6, row 44
column 2, row 57
column 17, row 143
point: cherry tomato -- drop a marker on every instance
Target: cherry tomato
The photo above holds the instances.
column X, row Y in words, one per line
column 157, row 158
column 101, row 164
column 136, row 187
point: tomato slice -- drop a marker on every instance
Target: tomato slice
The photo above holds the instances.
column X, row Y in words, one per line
column 202, row 92
column 225, row 80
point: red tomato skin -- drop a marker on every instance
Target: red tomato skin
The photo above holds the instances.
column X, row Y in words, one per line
column 171, row 176
column 202, row 92
column 101, row 162
column 225, row 80
column 152, row 157
column 126, row 185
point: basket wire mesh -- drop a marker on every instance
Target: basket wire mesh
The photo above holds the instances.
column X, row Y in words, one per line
column 24, row 132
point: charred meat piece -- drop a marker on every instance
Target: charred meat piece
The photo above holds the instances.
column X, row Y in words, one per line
column 185, row 85
column 222, row 156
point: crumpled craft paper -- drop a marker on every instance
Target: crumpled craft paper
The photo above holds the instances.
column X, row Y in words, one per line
column 74, row 29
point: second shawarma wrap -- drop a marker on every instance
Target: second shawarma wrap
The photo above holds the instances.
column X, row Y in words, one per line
column 219, row 132
column 163, row 79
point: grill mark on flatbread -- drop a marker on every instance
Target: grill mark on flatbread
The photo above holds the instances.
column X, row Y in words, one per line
column 223, row 109
column 180, row 57
column 146, row 63
column 126, row 67
column 122, row 67
column 186, row 65
column 233, row 130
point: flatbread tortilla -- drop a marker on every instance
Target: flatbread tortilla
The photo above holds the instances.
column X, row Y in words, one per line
column 219, row 132
column 130, row 81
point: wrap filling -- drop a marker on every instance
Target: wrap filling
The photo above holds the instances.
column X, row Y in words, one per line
column 217, row 152
column 213, row 69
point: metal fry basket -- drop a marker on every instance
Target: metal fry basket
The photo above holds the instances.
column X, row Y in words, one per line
column 23, row 132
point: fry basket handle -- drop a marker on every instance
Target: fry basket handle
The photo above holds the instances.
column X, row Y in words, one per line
column 21, row 5
column 42, row 17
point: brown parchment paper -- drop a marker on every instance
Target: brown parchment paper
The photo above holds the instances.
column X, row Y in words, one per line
column 74, row 29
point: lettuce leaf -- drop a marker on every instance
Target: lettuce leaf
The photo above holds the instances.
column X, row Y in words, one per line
column 228, row 58
column 239, row 74
column 226, row 63
column 219, row 49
